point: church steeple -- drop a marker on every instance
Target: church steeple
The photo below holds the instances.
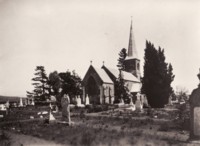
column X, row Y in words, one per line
column 132, row 62
column 132, row 52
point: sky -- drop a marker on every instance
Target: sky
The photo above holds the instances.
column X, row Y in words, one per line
column 67, row 34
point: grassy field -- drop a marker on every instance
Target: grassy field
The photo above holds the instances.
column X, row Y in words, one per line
column 113, row 127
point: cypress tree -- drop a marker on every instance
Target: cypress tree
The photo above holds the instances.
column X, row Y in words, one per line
column 156, row 83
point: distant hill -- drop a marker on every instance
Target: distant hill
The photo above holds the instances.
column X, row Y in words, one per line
column 9, row 98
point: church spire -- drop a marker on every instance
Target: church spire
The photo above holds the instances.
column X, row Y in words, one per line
column 132, row 52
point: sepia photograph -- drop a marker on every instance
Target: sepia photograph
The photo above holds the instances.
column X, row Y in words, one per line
column 99, row 73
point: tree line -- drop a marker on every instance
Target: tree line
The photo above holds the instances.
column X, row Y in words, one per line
column 56, row 84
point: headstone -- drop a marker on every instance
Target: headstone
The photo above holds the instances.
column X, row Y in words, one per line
column 65, row 102
column 122, row 101
column 87, row 100
column 131, row 102
column 20, row 102
column 78, row 101
column 51, row 117
column 138, row 104
column 32, row 102
column 195, row 112
column 50, row 106
column 112, row 100
column 170, row 100
column 7, row 104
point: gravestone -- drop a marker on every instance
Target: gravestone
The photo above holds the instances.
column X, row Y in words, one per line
column 87, row 100
column 51, row 117
column 170, row 100
column 138, row 104
column 32, row 102
column 65, row 102
column 195, row 112
column 7, row 104
column 112, row 100
column 131, row 102
column 122, row 101
column 20, row 102
column 78, row 101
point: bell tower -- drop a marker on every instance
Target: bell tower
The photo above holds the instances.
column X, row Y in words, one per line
column 132, row 63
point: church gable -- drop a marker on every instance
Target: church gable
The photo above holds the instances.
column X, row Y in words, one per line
column 99, row 75
column 91, row 73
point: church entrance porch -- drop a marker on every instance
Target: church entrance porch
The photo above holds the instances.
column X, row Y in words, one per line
column 93, row 91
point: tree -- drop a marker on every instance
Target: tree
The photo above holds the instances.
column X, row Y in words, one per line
column 121, row 91
column 41, row 88
column 158, row 76
column 55, row 82
column 71, row 83
column 122, row 57
column 182, row 93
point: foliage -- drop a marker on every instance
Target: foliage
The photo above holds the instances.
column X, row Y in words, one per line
column 40, row 82
column 122, row 56
column 158, row 76
column 54, row 82
column 121, row 91
column 182, row 93
column 71, row 83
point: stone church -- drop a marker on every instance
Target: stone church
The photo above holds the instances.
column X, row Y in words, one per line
column 98, row 83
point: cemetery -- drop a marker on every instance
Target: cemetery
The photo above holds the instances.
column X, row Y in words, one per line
column 67, row 78
column 117, row 124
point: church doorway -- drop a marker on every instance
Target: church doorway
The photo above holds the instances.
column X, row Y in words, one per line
column 93, row 91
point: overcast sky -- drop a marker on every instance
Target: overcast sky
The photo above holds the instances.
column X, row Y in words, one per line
column 67, row 34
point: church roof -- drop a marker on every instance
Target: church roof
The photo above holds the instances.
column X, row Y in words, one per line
column 103, row 75
column 126, row 75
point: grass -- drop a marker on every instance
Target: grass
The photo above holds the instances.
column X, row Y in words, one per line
column 104, row 130
column 5, row 139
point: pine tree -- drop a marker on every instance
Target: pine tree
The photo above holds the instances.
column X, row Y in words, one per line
column 41, row 87
column 156, row 83
column 122, row 56
column 121, row 91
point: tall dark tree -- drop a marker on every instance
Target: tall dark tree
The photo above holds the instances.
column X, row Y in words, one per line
column 121, row 91
column 40, row 83
column 158, row 76
column 122, row 57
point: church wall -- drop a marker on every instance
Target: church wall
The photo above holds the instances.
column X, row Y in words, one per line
column 108, row 92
